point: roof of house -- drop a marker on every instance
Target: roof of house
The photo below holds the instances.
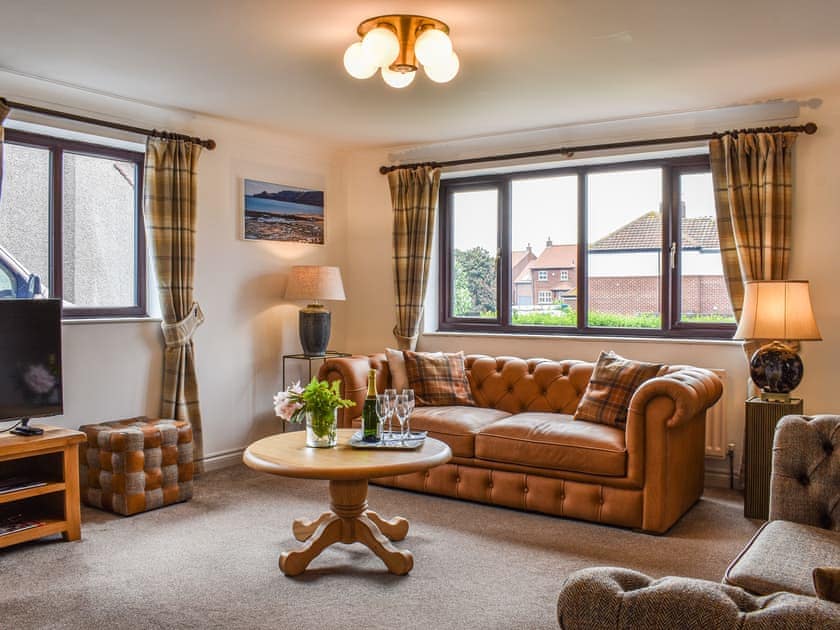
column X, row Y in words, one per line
column 556, row 256
column 517, row 256
column 646, row 233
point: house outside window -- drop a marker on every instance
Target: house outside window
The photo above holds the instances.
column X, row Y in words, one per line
column 71, row 223
column 633, row 247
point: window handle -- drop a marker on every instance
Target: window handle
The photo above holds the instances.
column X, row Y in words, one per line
column 673, row 255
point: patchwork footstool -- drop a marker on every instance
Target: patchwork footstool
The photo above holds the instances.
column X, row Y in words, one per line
column 134, row 465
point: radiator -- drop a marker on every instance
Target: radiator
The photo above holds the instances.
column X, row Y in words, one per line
column 716, row 423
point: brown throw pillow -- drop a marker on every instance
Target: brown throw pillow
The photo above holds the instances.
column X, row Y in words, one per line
column 827, row 583
column 438, row 378
column 611, row 386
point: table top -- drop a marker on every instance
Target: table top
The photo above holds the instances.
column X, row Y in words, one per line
column 287, row 454
column 52, row 438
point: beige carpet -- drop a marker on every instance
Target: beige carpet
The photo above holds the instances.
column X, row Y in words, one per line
column 212, row 563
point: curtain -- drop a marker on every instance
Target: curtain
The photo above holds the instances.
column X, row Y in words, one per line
column 751, row 173
column 4, row 111
column 170, row 187
column 414, row 195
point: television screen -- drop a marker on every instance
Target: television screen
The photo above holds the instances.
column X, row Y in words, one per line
column 30, row 359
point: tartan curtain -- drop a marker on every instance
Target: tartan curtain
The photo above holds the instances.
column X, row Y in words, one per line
column 170, row 187
column 414, row 195
column 751, row 173
column 4, row 111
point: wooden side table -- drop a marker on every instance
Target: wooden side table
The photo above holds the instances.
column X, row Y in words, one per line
column 43, row 474
column 761, row 420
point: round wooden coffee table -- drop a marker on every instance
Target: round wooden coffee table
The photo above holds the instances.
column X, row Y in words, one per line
column 348, row 471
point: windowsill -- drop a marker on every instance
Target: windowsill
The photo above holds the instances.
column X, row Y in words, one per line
column 586, row 338
column 111, row 320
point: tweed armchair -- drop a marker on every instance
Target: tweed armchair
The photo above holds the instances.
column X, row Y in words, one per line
column 771, row 582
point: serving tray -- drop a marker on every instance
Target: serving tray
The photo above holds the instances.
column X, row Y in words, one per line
column 389, row 441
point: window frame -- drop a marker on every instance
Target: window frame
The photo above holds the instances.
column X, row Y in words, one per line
column 57, row 147
column 542, row 275
column 670, row 296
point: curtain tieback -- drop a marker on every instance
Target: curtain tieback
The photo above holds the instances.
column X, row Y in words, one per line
column 404, row 342
column 181, row 332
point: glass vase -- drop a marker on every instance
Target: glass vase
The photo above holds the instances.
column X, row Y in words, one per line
column 321, row 430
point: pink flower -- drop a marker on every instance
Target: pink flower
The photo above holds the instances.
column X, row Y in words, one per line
column 288, row 402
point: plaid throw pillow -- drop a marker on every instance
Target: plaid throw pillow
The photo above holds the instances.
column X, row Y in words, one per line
column 611, row 386
column 438, row 378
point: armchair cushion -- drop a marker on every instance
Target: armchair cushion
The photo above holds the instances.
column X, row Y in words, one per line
column 611, row 386
column 781, row 557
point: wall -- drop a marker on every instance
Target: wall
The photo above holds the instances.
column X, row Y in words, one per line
column 113, row 370
column 815, row 257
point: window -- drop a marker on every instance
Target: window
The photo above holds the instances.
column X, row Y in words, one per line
column 71, row 225
column 628, row 247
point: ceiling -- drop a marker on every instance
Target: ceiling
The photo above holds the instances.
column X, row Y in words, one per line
column 524, row 65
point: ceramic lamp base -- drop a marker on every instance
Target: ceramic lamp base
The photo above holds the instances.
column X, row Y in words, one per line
column 776, row 369
column 314, row 325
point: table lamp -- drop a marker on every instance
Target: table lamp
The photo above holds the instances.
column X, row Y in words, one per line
column 314, row 283
column 777, row 310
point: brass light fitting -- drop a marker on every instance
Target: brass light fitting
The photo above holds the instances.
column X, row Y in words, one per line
column 398, row 45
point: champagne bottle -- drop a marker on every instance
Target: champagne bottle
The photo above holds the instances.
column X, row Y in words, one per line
column 370, row 423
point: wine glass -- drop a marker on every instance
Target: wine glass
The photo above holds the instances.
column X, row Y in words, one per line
column 383, row 412
column 391, row 395
column 402, row 411
column 409, row 395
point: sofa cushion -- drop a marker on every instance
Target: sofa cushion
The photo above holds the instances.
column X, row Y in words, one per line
column 438, row 378
column 396, row 366
column 781, row 557
column 611, row 386
column 455, row 425
column 556, row 441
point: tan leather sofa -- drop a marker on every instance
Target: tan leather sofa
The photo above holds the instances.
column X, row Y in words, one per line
column 521, row 448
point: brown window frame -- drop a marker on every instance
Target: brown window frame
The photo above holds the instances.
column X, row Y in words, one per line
column 57, row 147
column 672, row 327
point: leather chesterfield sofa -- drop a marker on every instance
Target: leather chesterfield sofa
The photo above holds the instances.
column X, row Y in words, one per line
column 520, row 447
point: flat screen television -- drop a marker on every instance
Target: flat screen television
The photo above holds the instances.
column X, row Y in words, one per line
column 30, row 361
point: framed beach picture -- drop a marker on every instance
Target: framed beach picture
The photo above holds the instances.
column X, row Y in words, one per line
column 274, row 212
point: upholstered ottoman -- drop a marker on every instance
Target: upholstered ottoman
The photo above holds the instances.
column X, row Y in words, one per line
column 133, row 465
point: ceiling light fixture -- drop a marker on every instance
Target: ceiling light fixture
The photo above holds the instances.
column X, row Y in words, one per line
column 397, row 45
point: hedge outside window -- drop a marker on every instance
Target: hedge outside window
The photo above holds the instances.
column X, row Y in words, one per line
column 623, row 248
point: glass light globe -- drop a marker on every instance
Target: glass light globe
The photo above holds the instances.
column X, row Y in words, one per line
column 397, row 79
column 381, row 46
column 433, row 47
column 357, row 64
column 443, row 72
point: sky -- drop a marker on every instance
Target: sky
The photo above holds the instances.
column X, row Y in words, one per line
column 547, row 207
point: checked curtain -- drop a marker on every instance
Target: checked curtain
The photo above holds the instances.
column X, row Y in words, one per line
column 414, row 194
column 170, row 195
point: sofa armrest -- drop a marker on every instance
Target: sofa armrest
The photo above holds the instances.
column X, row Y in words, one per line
column 666, row 443
column 805, row 482
column 692, row 390
column 610, row 597
column 353, row 373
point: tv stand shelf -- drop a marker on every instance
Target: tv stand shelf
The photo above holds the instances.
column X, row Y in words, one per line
column 52, row 458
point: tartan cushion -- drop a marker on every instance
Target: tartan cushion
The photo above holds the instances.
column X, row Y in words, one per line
column 438, row 378
column 611, row 386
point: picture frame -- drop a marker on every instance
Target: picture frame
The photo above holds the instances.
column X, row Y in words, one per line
column 278, row 212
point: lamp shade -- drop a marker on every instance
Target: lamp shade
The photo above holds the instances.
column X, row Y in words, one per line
column 777, row 309
column 315, row 282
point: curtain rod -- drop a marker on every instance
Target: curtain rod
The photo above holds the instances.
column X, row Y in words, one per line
column 207, row 144
column 808, row 128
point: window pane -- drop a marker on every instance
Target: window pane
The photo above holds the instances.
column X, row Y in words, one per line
column 703, row 294
column 99, row 231
column 475, row 243
column 544, row 251
column 25, row 218
column 625, row 248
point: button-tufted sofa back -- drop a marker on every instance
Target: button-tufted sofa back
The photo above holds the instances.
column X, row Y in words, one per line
column 805, row 483
column 515, row 385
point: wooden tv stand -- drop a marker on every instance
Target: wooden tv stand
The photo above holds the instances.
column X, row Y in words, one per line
column 52, row 458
